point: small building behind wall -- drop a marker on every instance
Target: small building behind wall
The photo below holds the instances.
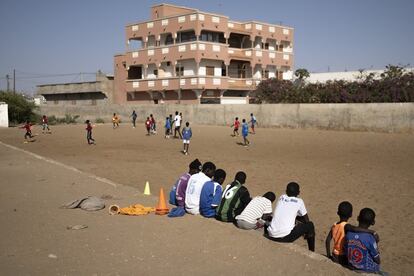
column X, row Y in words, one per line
column 4, row 115
column 97, row 92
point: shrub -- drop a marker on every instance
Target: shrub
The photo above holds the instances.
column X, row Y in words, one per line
column 99, row 121
column 69, row 119
column 52, row 120
column 394, row 85
column 20, row 109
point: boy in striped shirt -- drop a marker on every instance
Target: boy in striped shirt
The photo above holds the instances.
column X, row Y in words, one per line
column 257, row 212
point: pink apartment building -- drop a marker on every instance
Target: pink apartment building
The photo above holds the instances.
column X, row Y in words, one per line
column 183, row 55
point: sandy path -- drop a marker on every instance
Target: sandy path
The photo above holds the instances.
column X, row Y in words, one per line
column 368, row 169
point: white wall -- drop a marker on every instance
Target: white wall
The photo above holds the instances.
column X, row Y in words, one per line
column 165, row 71
column 215, row 63
column 233, row 100
column 150, row 71
column 288, row 75
column 4, row 115
column 189, row 67
column 257, row 42
column 257, row 72
column 272, row 71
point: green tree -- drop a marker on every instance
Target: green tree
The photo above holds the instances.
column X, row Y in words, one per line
column 302, row 74
column 20, row 109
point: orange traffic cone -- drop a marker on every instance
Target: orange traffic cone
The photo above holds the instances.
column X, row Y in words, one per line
column 162, row 209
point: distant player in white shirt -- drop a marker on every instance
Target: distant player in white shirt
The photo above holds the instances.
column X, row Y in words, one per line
column 177, row 125
column 291, row 209
column 194, row 186
column 257, row 212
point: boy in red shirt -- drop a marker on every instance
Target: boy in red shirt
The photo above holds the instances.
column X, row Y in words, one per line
column 236, row 126
column 148, row 126
column 45, row 124
column 27, row 126
column 89, row 133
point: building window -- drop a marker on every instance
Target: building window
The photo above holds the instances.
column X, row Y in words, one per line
column 223, row 70
column 212, row 37
column 179, row 71
column 156, row 72
column 210, row 70
column 169, row 39
column 265, row 46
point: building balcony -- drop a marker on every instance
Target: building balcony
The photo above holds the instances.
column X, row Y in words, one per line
column 241, row 54
column 263, row 30
column 196, row 50
column 176, row 83
column 277, row 58
column 196, row 21
column 242, row 84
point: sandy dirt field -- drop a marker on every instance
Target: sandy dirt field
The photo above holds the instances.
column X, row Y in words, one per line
column 368, row 169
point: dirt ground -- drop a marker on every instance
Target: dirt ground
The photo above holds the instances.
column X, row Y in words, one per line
column 368, row 169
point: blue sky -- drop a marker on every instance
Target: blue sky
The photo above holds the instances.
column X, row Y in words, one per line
column 49, row 37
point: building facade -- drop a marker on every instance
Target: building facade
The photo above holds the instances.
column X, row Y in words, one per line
column 183, row 55
column 97, row 92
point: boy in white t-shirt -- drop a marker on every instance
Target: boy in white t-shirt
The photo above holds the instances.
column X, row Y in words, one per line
column 289, row 210
column 194, row 186
column 177, row 125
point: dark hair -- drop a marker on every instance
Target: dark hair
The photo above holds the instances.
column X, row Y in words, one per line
column 367, row 215
column 147, row 118
column 166, row 118
column 176, row 113
column 241, row 177
column 237, row 118
column 345, row 209
column 114, row 114
column 219, row 174
column 251, row 114
column 187, row 123
column 87, row 122
column 270, row 196
column 196, row 165
column 209, row 166
column 292, row 189
column 244, row 120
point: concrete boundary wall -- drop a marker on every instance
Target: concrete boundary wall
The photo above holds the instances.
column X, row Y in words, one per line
column 380, row 117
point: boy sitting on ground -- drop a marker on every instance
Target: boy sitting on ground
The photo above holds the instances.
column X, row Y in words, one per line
column 257, row 212
column 235, row 198
column 338, row 231
column 194, row 186
column 289, row 209
column 361, row 248
column 211, row 192
column 177, row 193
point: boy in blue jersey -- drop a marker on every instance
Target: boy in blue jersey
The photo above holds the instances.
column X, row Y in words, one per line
column 245, row 132
column 253, row 122
column 361, row 248
column 167, row 127
column 211, row 192
column 187, row 134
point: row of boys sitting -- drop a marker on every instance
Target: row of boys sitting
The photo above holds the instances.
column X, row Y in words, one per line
column 200, row 192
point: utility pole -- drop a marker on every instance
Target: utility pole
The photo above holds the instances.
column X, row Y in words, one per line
column 14, row 81
column 8, row 82
column 179, row 82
